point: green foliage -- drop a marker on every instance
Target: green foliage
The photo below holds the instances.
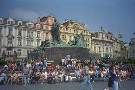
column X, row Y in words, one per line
column 131, row 61
column 2, row 62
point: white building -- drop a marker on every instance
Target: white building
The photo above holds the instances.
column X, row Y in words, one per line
column 19, row 37
column 131, row 50
column 102, row 44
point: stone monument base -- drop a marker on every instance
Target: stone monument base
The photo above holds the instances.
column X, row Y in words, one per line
column 58, row 53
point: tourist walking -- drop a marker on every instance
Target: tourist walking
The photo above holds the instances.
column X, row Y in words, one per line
column 114, row 77
column 86, row 83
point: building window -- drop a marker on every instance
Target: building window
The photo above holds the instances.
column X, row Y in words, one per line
column 28, row 52
column 38, row 34
column 10, row 22
column 38, row 42
column 103, row 49
column 74, row 31
column 96, row 35
column 10, row 43
column 95, row 49
column 133, row 51
column 107, row 37
column 110, row 49
column 102, row 36
column 19, row 33
column 0, row 31
column 9, row 53
column 30, row 25
column 99, row 49
column 0, row 42
column 19, row 23
column 32, row 43
column 32, row 34
column 47, row 36
column 77, row 31
column 28, row 34
column 10, row 30
column 70, row 37
column 38, row 26
column 10, row 38
column 106, row 49
column 28, row 42
column 19, row 42
column 19, row 52
column 1, row 21
column 63, row 37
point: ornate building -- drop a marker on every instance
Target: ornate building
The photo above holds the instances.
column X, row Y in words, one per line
column 132, row 48
column 120, row 50
column 69, row 29
column 18, row 38
column 102, row 44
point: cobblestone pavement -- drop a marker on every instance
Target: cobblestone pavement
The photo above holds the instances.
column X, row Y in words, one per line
column 98, row 85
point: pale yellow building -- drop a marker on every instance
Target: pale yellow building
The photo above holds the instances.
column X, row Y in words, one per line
column 71, row 28
column 131, row 53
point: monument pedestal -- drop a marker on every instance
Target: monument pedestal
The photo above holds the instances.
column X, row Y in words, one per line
column 57, row 53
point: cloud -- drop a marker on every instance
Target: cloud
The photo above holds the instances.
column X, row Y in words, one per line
column 24, row 14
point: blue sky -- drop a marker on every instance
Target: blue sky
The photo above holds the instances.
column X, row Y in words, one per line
column 117, row 16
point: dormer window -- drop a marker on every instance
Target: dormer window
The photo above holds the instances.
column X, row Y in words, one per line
column 19, row 23
column 30, row 25
column 19, row 33
column 38, row 26
column 10, row 21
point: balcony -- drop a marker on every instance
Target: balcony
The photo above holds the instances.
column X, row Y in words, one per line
column 102, row 39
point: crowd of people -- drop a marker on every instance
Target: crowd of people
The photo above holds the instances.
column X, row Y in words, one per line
column 40, row 71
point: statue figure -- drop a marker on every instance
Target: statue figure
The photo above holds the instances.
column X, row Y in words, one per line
column 45, row 43
column 55, row 32
column 77, row 41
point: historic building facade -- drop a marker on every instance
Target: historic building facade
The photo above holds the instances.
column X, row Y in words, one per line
column 102, row 44
column 19, row 37
column 105, row 44
column 69, row 29
column 131, row 53
column 120, row 50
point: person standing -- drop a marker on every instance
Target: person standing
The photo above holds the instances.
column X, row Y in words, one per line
column 114, row 77
column 86, row 84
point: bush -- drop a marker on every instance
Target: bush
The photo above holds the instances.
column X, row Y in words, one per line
column 131, row 61
column 2, row 62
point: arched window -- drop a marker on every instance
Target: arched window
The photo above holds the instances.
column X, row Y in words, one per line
column 38, row 26
column 19, row 23
column 10, row 21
